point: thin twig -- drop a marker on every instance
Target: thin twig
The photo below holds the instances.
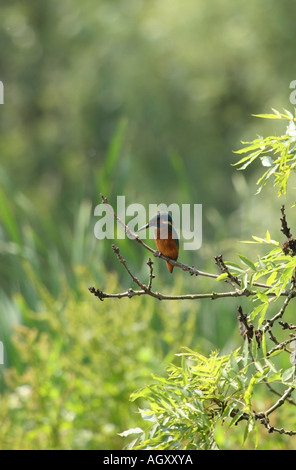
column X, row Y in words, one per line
column 233, row 280
column 287, row 326
column 271, row 429
column 144, row 290
column 291, row 294
column 134, row 236
column 289, row 246
column 277, row 404
column 271, row 389
column 151, row 275
column 191, row 269
column 280, row 346
column 123, row 262
column 246, row 329
column 285, row 229
column 158, row 295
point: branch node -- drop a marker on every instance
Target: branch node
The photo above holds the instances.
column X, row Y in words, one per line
column 97, row 292
column 104, row 199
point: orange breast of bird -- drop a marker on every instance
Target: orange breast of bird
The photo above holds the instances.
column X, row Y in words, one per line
column 167, row 245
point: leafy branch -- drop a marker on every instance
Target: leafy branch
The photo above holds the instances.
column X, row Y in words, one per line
column 186, row 406
column 277, row 154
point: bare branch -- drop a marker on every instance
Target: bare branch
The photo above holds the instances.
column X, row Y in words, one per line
column 147, row 290
column 276, row 405
column 158, row 295
column 289, row 246
column 285, row 229
column 265, row 421
column 191, row 269
column 290, row 295
column 281, row 345
column 287, row 326
column 134, row 236
column 247, row 329
column 151, row 275
column 271, row 389
column 123, row 262
column 233, row 280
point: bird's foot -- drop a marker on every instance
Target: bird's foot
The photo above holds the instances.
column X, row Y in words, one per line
column 157, row 254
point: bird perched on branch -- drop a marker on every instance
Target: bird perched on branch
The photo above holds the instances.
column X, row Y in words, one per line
column 165, row 235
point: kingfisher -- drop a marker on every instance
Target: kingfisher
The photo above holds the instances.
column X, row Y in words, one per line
column 165, row 235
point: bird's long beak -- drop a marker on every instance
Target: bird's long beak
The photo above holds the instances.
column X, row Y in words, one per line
column 143, row 228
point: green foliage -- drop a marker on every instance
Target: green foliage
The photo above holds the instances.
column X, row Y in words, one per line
column 72, row 362
column 185, row 407
column 188, row 408
column 74, row 75
column 278, row 154
column 80, row 361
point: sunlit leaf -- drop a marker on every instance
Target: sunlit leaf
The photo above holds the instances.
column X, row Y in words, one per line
column 248, row 262
column 222, row 277
column 130, row 431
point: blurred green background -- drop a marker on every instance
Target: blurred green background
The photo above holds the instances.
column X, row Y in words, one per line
column 135, row 98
